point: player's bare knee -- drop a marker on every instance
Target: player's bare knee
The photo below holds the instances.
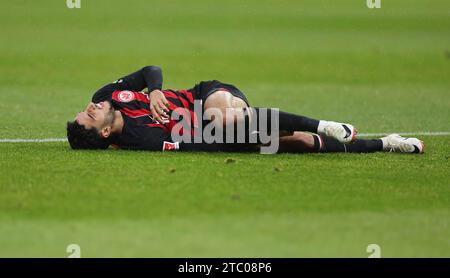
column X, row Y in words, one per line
column 219, row 99
column 219, row 102
column 238, row 103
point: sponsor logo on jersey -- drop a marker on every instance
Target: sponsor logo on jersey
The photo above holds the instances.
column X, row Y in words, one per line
column 169, row 146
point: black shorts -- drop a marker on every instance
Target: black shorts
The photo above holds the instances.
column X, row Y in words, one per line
column 205, row 88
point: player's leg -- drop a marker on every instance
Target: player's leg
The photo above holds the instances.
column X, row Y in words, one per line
column 297, row 142
column 230, row 108
column 301, row 142
column 218, row 95
column 343, row 132
column 223, row 110
column 305, row 142
column 391, row 143
column 232, row 111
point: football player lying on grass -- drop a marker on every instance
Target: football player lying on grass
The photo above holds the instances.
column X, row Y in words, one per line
column 122, row 116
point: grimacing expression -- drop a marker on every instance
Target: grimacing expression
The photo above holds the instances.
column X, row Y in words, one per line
column 97, row 115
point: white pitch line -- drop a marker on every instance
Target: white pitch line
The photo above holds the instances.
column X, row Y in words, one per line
column 420, row 133
column 44, row 140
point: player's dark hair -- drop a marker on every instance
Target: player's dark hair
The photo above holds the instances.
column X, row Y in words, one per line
column 82, row 138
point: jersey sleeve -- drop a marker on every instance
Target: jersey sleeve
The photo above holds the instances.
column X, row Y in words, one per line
column 148, row 77
column 157, row 139
column 144, row 138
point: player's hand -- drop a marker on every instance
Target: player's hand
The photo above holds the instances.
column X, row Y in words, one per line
column 159, row 106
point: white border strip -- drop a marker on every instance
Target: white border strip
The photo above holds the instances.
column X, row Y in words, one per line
column 421, row 133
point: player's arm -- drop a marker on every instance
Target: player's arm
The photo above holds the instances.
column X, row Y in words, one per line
column 148, row 77
column 145, row 138
column 157, row 139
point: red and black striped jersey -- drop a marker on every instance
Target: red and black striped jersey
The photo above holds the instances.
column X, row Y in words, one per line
column 141, row 131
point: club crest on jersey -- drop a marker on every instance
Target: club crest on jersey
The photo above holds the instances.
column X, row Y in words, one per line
column 125, row 96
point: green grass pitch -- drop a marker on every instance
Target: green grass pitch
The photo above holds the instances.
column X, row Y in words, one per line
column 383, row 70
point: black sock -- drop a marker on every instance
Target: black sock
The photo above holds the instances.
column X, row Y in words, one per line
column 365, row 146
column 291, row 122
column 331, row 145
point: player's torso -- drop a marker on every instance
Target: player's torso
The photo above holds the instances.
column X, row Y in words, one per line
column 136, row 107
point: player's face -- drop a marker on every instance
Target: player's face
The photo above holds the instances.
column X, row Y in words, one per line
column 96, row 115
